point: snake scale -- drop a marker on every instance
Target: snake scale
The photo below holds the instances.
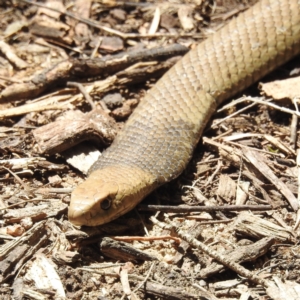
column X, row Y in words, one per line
column 158, row 139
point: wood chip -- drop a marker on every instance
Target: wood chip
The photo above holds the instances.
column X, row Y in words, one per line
column 242, row 193
column 258, row 162
column 16, row 252
column 44, row 276
column 111, row 44
column 184, row 15
column 155, row 22
column 248, row 224
column 227, row 188
column 75, row 128
column 36, row 213
column 83, row 8
column 123, row 251
column 282, row 89
column 11, row 56
column 284, row 290
column 239, row 255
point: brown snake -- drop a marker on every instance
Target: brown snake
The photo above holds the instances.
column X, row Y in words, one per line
column 158, row 140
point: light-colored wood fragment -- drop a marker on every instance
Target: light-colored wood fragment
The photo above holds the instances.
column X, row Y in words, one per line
column 226, row 188
column 258, row 162
column 293, row 136
column 199, row 195
column 83, row 9
column 229, row 153
column 297, row 223
column 9, row 53
column 155, row 21
column 42, row 272
column 82, row 157
column 36, row 213
column 52, row 103
column 240, row 135
column 242, row 192
column 239, row 254
column 15, row 253
column 227, row 284
column 125, row 281
column 22, row 163
column 32, row 294
column 184, row 15
column 280, row 145
column 251, row 225
column 214, row 254
column 288, row 290
column 282, row 89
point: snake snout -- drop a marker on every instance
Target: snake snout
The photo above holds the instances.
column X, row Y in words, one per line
column 77, row 217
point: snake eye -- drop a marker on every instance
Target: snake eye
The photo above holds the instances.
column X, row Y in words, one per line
column 106, row 204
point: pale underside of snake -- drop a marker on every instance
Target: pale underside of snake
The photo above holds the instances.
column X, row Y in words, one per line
column 158, row 140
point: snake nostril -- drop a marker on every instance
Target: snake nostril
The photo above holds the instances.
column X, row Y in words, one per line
column 105, row 204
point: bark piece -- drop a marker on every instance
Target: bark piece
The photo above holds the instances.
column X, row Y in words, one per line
column 42, row 272
column 155, row 21
column 113, row 100
column 83, row 8
column 21, row 164
column 232, row 288
column 118, row 14
column 63, row 134
column 250, row 225
column 282, row 89
column 242, row 193
column 168, row 21
column 82, row 157
column 258, row 185
column 66, row 257
column 239, row 255
column 18, row 289
column 47, row 23
column 284, row 290
column 123, row 251
column 111, row 44
column 258, row 162
column 69, row 69
column 166, row 292
column 122, row 113
column 15, row 253
column 11, row 56
column 227, row 188
column 184, row 15
column 51, row 29
column 36, row 213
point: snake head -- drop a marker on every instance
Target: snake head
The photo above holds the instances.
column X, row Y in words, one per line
column 91, row 202
column 107, row 194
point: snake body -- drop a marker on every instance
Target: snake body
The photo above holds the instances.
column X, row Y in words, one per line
column 159, row 138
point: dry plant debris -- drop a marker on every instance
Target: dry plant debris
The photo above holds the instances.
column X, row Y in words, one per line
column 73, row 71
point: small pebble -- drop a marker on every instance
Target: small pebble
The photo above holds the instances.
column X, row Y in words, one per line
column 113, row 101
column 119, row 14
